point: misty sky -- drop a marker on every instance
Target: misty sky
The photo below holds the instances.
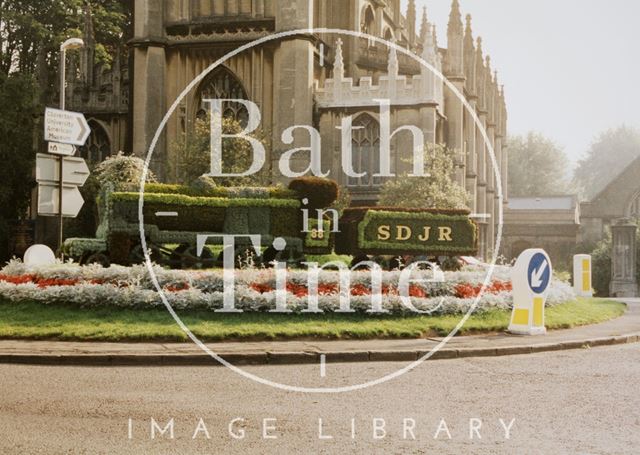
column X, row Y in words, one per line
column 571, row 68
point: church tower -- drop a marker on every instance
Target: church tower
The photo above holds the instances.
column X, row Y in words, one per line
column 454, row 72
column 411, row 23
column 469, row 59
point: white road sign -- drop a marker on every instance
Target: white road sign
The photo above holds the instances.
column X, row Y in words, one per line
column 48, row 200
column 58, row 148
column 75, row 170
column 65, row 126
column 530, row 277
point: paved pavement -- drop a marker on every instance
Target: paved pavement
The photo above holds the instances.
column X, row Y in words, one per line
column 570, row 402
column 623, row 330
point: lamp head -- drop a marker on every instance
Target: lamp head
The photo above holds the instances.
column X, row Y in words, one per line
column 72, row 43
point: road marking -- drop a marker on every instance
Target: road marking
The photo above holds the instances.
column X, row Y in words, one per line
column 166, row 213
column 323, row 365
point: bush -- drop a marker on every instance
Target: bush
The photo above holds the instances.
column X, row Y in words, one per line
column 435, row 191
column 122, row 171
column 320, row 192
column 601, row 266
column 203, row 185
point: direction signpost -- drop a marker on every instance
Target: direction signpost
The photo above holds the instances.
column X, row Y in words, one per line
column 75, row 172
column 48, row 197
column 531, row 277
column 58, row 174
column 65, row 126
column 58, row 148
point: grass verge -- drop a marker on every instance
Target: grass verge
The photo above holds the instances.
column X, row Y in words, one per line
column 31, row 320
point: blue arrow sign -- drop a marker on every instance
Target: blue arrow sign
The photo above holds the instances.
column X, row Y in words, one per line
column 539, row 273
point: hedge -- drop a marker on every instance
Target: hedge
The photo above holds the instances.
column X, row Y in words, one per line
column 273, row 192
column 200, row 214
column 319, row 192
column 201, row 201
column 313, row 242
column 359, row 230
column 465, row 241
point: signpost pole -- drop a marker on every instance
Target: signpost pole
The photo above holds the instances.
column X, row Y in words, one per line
column 63, row 54
column 71, row 43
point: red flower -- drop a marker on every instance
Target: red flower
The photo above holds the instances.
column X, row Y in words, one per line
column 41, row 282
column 177, row 287
column 261, row 288
column 18, row 279
column 467, row 291
column 327, row 289
column 359, row 290
column 417, row 292
column 297, row 289
column 44, row 283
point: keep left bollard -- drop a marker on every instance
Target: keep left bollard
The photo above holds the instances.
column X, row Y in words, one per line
column 531, row 276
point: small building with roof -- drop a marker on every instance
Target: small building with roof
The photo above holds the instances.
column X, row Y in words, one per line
column 549, row 222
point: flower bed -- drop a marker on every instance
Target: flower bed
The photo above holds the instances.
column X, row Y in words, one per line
column 95, row 286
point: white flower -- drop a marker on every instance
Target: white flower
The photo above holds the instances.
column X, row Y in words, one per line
column 133, row 287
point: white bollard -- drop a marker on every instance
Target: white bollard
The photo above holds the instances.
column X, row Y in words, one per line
column 39, row 255
column 531, row 277
column 582, row 283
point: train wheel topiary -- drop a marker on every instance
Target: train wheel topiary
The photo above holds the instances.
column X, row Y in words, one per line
column 136, row 255
column 191, row 260
column 96, row 258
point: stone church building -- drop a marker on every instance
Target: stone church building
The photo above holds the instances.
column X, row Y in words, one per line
column 305, row 79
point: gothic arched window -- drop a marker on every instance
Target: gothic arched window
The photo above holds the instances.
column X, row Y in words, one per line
column 365, row 144
column 223, row 84
column 367, row 24
column 368, row 21
column 98, row 147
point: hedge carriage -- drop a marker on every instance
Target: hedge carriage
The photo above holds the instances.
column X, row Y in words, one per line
column 391, row 235
column 175, row 215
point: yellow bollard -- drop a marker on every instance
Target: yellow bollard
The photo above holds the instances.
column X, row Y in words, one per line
column 582, row 275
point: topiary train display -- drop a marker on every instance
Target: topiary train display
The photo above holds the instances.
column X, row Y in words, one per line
column 174, row 216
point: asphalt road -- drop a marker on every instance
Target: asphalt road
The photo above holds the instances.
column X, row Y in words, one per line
column 563, row 402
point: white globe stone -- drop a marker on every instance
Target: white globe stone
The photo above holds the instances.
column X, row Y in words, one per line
column 39, row 255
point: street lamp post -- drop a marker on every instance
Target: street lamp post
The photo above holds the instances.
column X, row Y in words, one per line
column 71, row 43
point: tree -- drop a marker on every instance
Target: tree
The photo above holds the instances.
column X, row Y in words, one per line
column 438, row 190
column 537, row 166
column 31, row 32
column 17, row 117
column 610, row 153
column 194, row 155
